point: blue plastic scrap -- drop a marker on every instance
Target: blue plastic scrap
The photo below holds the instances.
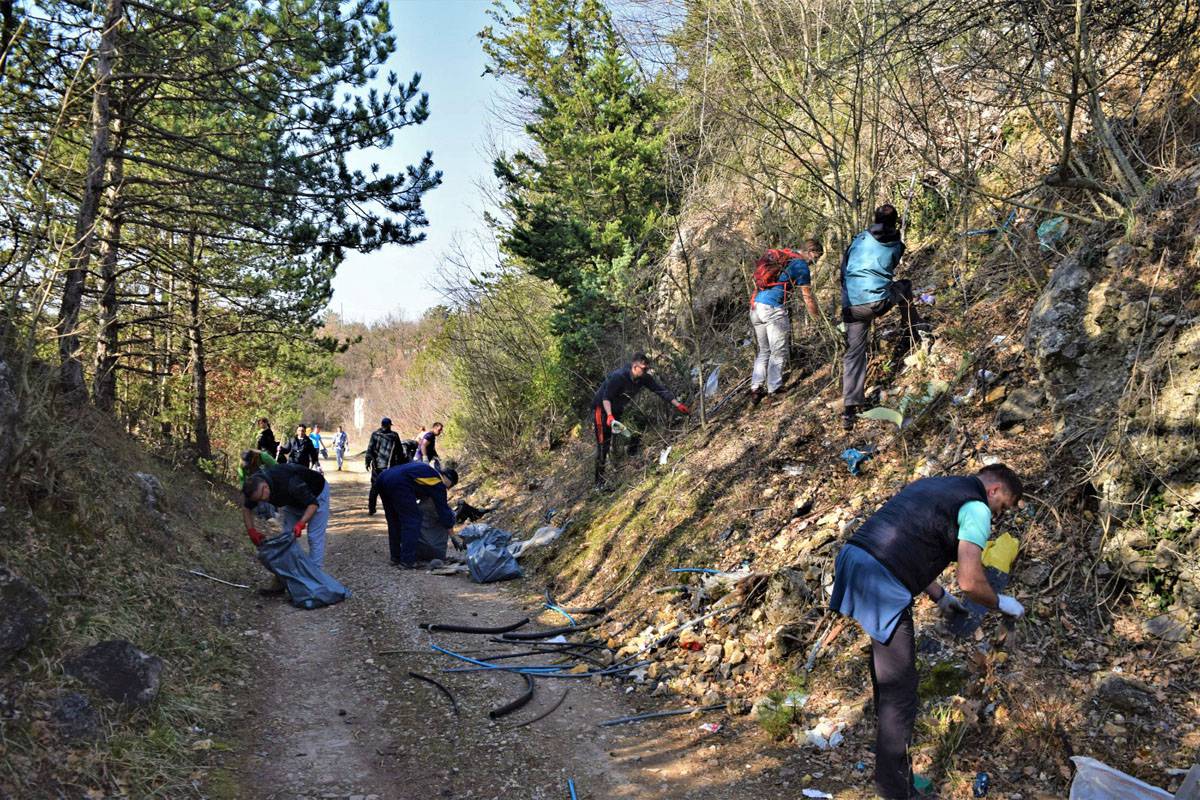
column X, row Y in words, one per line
column 571, row 787
column 981, row 785
column 854, row 459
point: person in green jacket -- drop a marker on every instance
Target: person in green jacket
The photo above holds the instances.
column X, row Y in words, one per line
column 252, row 462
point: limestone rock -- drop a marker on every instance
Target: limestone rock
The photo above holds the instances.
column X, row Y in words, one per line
column 118, row 670
column 1021, row 404
column 25, row 613
column 1125, row 694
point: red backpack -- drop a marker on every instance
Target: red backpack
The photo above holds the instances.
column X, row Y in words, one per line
column 767, row 269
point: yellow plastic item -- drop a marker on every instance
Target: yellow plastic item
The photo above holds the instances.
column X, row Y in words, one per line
column 1001, row 552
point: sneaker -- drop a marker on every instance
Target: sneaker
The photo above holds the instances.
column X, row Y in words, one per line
column 435, row 563
column 370, row 512
column 404, row 564
column 849, row 415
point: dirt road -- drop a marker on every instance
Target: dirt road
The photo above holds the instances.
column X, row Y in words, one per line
column 334, row 713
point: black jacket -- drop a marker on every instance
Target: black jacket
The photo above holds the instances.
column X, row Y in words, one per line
column 300, row 450
column 293, row 486
column 267, row 441
column 620, row 387
column 385, row 450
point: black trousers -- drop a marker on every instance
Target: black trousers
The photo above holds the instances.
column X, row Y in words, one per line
column 373, row 495
column 894, row 679
column 858, row 321
column 603, row 440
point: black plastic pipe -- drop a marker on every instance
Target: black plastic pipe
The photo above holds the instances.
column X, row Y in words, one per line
column 546, row 634
column 508, row 708
column 444, row 690
column 451, row 628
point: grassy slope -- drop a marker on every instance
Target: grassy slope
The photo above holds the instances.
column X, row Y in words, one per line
column 1023, row 711
column 110, row 569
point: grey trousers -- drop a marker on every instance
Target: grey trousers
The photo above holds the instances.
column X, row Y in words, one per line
column 858, row 321
column 772, row 326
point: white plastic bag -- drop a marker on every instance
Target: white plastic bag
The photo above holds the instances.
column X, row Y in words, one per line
column 1095, row 780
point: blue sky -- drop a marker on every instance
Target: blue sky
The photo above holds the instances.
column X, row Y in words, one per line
column 436, row 38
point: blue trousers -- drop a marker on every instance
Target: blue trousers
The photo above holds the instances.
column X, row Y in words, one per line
column 403, row 516
column 315, row 532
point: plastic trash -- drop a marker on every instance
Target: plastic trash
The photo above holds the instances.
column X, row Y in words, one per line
column 1095, row 780
column 854, row 459
column 927, row 298
column 713, row 382
column 308, row 586
column 1052, row 231
column 541, row 537
column 922, row 784
column 488, row 556
column 663, row 456
column 816, row 793
column 620, row 429
column 710, row 727
column 884, row 415
column 981, row 785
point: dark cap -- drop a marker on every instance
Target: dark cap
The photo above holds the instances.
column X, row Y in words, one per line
column 451, row 475
column 385, row 421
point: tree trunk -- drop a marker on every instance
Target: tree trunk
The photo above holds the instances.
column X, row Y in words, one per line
column 104, row 382
column 196, row 344
column 71, row 368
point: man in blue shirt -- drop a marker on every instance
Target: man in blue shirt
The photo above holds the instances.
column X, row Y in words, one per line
column 869, row 291
column 775, row 273
column 898, row 553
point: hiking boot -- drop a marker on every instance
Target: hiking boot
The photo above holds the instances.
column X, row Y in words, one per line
column 757, row 394
column 849, row 415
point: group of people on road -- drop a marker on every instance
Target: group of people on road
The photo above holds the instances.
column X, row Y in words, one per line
column 897, row 554
column 305, row 448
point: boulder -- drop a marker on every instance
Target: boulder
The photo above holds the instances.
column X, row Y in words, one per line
column 119, row 671
column 26, row 612
column 1021, row 404
column 1125, row 694
column 74, row 717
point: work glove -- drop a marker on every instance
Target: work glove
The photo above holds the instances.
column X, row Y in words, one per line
column 950, row 606
column 1009, row 605
column 611, row 419
column 255, row 536
column 681, row 408
column 298, row 529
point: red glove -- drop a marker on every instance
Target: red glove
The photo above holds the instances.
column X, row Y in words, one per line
column 255, row 536
column 681, row 408
column 298, row 529
column 611, row 419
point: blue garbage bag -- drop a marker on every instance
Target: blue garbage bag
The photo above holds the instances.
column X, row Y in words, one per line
column 307, row 584
column 488, row 556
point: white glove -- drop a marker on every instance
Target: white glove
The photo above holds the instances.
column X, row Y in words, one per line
column 1009, row 605
column 950, row 606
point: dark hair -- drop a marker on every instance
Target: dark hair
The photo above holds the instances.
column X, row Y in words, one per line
column 1005, row 476
column 886, row 216
column 436, row 425
column 251, row 460
column 264, row 421
column 452, row 474
column 640, row 358
column 814, row 245
column 251, row 487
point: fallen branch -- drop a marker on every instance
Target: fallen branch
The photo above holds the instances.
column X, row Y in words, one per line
column 211, row 578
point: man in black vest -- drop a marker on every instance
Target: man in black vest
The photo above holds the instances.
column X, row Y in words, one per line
column 617, row 391
column 895, row 555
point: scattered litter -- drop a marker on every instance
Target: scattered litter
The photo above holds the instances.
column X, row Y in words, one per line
column 620, row 429
column 571, row 787
column 541, row 537
column 826, row 735
column 714, row 379
column 560, row 639
column 927, row 298
column 959, row 399
column 793, row 470
column 1052, row 231
column 1095, row 780
column 795, row 699
column 711, row 727
column 854, row 459
column 922, row 784
column 860, row 766
column 488, row 556
column 639, row 674
column 884, row 415
column 663, row 456
column 986, row 375
column 981, row 785
column 816, row 793
column 998, row 340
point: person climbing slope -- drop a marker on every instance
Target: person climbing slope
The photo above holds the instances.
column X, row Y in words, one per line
column 774, row 274
column 869, row 291
column 897, row 554
column 427, row 445
column 614, row 394
column 400, row 487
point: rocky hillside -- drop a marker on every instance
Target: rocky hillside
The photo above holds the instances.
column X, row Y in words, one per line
column 1083, row 378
